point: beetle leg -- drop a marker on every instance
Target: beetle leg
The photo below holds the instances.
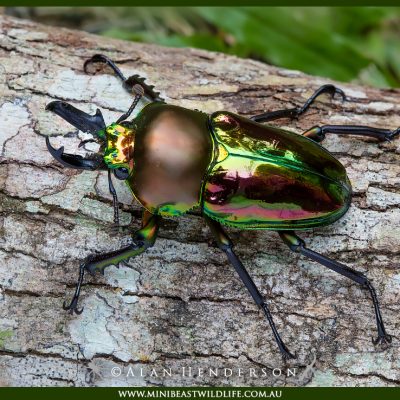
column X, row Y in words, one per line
column 100, row 58
column 225, row 244
column 297, row 111
column 141, row 241
column 73, row 306
column 128, row 83
column 297, row 245
column 317, row 133
column 115, row 199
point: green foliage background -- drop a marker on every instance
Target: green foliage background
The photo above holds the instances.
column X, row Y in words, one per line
column 345, row 43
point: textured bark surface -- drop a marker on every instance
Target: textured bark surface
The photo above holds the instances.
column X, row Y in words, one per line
column 181, row 304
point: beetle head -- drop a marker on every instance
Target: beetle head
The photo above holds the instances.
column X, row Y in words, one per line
column 118, row 153
column 116, row 141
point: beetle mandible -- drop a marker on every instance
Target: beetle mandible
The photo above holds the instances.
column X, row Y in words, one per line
column 239, row 172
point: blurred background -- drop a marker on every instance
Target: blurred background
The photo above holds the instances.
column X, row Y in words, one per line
column 358, row 44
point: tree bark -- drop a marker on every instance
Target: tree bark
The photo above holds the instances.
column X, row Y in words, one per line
column 181, row 305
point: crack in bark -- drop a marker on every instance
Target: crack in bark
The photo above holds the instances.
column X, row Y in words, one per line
column 368, row 375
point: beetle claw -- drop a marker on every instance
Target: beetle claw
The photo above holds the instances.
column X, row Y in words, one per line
column 383, row 340
column 392, row 135
column 340, row 93
column 73, row 307
column 286, row 354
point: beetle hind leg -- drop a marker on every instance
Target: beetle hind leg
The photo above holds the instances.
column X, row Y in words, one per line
column 128, row 83
column 297, row 245
column 297, row 111
column 225, row 244
column 318, row 133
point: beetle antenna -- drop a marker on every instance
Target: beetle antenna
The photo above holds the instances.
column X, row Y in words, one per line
column 138, row 89
column 115, row 198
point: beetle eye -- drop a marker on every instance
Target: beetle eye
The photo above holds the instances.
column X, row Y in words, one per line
column 121, row 173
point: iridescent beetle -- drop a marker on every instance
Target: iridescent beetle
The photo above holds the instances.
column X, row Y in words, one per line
column 239, row 173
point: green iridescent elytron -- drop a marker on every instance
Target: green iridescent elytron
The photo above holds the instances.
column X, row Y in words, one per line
column 272, row 179
column 234, row 170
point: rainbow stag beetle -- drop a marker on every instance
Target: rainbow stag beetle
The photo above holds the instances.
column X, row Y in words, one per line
column 238, row 171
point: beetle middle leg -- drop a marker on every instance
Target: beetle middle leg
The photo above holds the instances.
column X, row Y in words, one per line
column 141, row 241
column 297, row 111
column 317, row 133
column 297, row 245
column 128, row 83
column 225, row 244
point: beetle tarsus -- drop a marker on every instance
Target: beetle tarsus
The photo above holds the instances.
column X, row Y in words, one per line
column 340, row 93
column 391, row 135
column 328, row 89
column 383, row 340
column 297, row 111
column 100, row 58
column 128, row 83
column 73, row 307
column 286, row 354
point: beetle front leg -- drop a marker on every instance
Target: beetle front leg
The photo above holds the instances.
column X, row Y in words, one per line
column 141, row 241
column 297, row 245
column 225, row 244
column 128, row 83
column 297, row 111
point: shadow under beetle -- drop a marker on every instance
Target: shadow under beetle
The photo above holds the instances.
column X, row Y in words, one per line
column 239, row 172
